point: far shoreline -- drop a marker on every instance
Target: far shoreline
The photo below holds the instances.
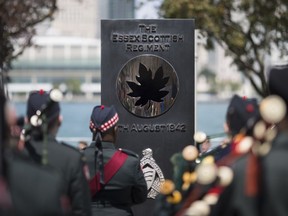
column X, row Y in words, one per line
column 73, row 99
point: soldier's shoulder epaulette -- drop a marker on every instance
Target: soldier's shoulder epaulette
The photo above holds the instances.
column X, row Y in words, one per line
column 129, row 152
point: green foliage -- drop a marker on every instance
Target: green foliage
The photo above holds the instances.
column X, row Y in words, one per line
column 218, row 86
column 18, row 20
column 73, row 85
column 228, row 85
column 70, row 85
column 210, row 78
column 209, row 74
column 247, row 29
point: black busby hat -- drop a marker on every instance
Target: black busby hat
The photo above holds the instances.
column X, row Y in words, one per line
column 36, row 101
column 240, row 111
column 103, row 118
column 278, row 79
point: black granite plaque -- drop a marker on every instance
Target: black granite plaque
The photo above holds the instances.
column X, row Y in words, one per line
column 147, row 72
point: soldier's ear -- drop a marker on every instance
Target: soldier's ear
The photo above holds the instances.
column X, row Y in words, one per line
column 226, row 128
column 60, row 119
column 115, row 130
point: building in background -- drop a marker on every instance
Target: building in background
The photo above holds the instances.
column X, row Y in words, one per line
column 72, row 63
column 75, row 18
column 66, row 51
column 217, row 77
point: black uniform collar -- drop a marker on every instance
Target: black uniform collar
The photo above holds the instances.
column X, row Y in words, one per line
column 50, row 138
column 108, row 145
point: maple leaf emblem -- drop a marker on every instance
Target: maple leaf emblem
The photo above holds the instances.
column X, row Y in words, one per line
column 149, row 89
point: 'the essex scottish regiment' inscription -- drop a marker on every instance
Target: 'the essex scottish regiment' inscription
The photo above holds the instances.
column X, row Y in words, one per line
column 147, row 39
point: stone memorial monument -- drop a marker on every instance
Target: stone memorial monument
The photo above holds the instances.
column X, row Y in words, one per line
column 147, row 72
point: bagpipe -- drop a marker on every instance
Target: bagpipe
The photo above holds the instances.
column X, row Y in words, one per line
column 194, row 175
column 202, row 179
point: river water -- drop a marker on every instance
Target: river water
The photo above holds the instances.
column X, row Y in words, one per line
column 210, row 117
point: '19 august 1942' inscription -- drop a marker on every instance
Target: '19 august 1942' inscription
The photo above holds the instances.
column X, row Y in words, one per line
column 147, row 39
column 169, row 127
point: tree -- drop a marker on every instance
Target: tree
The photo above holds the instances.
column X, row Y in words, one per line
column 248, row 30
column 18, row 20
column 210, row 77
